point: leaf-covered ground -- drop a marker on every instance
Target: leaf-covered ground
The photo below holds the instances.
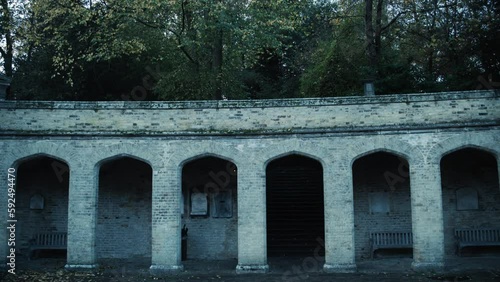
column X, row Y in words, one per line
column 113, row 276
column 283, row 270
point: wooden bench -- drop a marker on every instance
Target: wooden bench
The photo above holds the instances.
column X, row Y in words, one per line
column 476, row 237
column 47, row 241
column 390, row 240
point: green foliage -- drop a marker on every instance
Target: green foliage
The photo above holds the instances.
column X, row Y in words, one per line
column 242, row 49
column 334, row 72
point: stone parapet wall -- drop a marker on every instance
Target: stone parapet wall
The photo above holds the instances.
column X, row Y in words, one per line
column 286, row 116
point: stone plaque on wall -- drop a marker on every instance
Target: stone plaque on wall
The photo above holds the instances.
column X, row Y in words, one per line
column 379, row 202
column 199, row 203
column 467, row 199
column 37, row 202
column 223, row 204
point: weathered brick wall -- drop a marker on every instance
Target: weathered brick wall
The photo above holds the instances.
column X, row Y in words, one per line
column 212, row 238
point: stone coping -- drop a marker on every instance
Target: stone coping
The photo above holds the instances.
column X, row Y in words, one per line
column 212, row 104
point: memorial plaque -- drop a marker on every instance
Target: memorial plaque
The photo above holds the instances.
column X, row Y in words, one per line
column 37, row 202
column 199, row 203
column 379, row 202
column 223, row 204
column 467, row 199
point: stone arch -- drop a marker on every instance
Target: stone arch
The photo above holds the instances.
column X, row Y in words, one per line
column 39, row 149
column 391, row 151
column 387, row 144
column 113, row 157
column 204, row 155
column 294, row 152
column 457, row 143
column 27, row 158
column 481, row 148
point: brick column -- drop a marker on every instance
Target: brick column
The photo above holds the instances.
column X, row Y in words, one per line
column 252, row 244
column 166, row 221
column 427, row 215
column 82, row 211
column 339, row 216
column 4, row 233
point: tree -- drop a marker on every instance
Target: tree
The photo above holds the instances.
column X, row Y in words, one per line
column 239, row 49
column 7, row 30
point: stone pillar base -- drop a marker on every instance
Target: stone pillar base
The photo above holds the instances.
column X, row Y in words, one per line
column 252, row 268
column 437, row 266
column 162, row 269
column 80, row 267
column 340, row 268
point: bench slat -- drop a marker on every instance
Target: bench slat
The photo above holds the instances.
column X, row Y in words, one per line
column 48, row 241
column 390, row 240
column 476, row 237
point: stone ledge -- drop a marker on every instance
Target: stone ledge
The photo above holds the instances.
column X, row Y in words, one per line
column 436, row 266
column 340, row 268
column 264, row 103
column 252, row 268
column 77, row 267
column 162, row 269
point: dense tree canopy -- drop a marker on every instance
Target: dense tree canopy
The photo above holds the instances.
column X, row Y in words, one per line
column 246, row 49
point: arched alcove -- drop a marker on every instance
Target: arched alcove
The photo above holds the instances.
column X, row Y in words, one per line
column 471, row 195
column 42, row 186
column 210, row 208
column 382, row 201
column 124, row 208
column 295, row 206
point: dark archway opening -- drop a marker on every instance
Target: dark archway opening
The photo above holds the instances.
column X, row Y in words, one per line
column 471, row 198
column 124, row 209
column 41, row 202
column 382, row 204
column 210, row 209
column 295, row 207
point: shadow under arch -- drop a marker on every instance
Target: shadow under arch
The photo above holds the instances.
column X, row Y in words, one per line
column 294, row 205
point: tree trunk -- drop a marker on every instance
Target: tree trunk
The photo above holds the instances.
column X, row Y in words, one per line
column 7, row 53
column 218, row 53
column 218, row 59
column 378, row 31
column 369, row 38
column 9, row 56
